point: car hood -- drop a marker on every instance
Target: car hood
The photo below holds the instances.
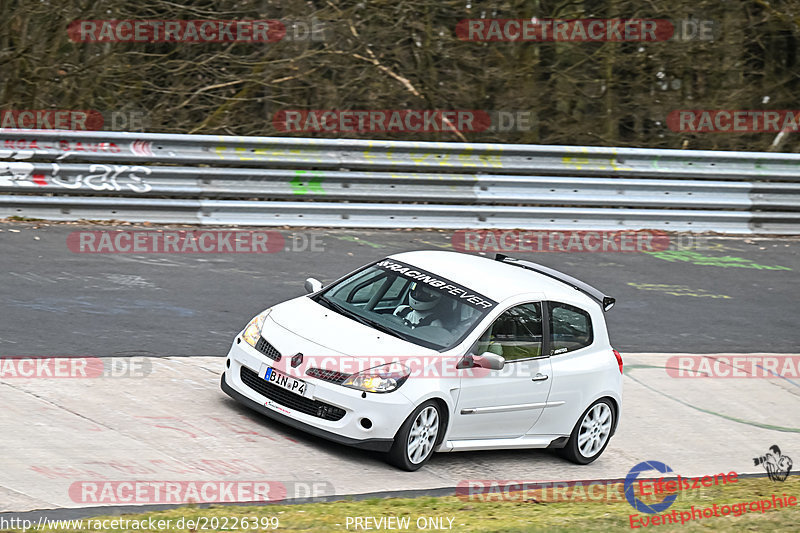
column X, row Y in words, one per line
column 317, row 330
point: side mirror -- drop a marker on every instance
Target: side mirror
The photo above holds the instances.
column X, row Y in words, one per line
column 312, row 285
column 489, row 360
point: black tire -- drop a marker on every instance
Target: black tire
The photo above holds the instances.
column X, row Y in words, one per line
column 572, row 451
column 398, row 455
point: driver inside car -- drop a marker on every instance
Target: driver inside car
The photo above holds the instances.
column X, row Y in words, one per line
column 422, row 307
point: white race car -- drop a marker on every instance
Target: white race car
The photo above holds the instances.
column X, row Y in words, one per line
column 437, row 351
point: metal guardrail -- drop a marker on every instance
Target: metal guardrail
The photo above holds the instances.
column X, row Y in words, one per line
column 206, row 179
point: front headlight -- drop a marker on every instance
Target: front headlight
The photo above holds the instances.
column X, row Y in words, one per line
column 384, row 378
column 252, row 332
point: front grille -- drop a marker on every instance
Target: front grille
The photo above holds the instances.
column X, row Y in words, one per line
column 289, row 399
column 331, row 376
column 267, row 349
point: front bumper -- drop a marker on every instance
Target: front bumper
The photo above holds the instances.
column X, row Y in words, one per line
column 387, row 412
column 378, row 445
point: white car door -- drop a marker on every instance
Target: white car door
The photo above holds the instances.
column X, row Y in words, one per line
column 508, row 402
column 580, row 365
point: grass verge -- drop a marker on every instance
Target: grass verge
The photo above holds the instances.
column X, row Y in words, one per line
column 533, row 511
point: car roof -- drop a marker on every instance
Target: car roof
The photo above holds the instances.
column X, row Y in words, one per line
column 494, row 279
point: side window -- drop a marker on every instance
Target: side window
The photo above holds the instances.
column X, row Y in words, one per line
column 516, row 334
column 570, row 328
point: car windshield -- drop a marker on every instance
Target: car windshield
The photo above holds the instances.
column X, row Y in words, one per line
column 409, row 303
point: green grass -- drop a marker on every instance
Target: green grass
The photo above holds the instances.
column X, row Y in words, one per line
column 506, row 516
column 15, row 218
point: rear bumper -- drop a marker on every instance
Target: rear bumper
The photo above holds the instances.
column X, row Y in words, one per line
column 379, row 445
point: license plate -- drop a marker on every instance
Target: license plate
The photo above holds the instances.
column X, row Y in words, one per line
column 286, row 382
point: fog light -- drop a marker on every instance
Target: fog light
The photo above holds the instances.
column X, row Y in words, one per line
column 366, row 423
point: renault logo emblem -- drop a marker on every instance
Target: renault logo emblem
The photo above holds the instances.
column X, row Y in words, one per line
column 297, row 359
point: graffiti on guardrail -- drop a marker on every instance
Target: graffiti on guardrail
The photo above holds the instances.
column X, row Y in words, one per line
column 18, row 174
column 465, row 159
column 26, row 148
column 584, row 159
column 144, row 148
column 371, row 156
column 397, row 174
column 98, row 178
column 106, row 178
column 307, row 182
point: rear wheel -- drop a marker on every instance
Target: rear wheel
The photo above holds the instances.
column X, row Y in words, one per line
column 591, row 434
column 416, row 439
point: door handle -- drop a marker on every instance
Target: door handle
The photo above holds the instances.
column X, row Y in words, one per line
column 539, row 377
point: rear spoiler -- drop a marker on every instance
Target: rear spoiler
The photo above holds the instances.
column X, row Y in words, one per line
column 606, row 302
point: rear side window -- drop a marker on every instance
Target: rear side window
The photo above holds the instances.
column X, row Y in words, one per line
column 570, row 328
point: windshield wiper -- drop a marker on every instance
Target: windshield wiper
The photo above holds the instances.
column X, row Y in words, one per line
column 360, row 319
column 334, row 306
column 390, row 331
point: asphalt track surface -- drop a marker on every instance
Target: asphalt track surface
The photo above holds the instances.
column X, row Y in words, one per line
column 177, row 313
column 194, row 304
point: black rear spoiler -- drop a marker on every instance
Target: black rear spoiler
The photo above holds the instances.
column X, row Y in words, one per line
column 606, row 302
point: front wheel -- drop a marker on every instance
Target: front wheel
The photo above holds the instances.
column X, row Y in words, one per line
column 591, row 434
column 416, row 439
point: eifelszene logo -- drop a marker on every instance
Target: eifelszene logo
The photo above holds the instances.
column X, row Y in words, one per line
column 777, row 465
column 630, row 481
